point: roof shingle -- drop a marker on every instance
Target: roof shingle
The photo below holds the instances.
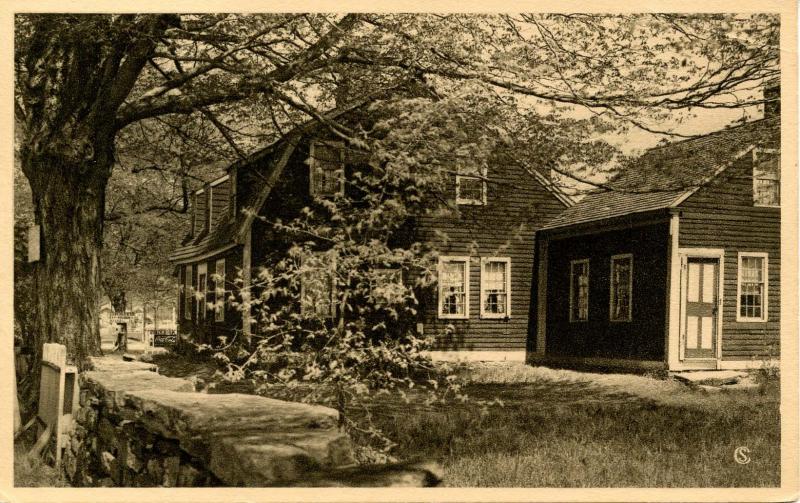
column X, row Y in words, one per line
column 658, row 178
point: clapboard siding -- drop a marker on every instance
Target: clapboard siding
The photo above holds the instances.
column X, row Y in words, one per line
column 722, row 215
column 517, row 205
column 642, row 338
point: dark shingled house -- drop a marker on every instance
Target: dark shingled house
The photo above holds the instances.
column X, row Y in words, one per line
column 487, row 246
column 678, row 267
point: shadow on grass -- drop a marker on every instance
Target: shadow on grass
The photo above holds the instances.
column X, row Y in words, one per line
column 571, row 436
column 568, row 429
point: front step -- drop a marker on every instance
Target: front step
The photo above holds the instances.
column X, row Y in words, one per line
column 710, row 377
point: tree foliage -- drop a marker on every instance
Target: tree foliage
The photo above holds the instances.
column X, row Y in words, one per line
column 93, row 91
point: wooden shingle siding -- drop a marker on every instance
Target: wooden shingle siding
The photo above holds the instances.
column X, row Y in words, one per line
column 642, row 338
column 516, row 206
column 722, row 215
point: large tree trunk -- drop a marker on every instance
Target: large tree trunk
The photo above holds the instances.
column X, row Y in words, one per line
column 69, row 201
column 78, row 71
column 67, row 278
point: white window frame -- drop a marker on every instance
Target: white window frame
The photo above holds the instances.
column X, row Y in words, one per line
column 471, row 202
column 219, row 309
column 188, row 292
column 572, row 293
column 765, row 298
column 202, row 269
column 313, row 164
column 611, row 288
column 484, row 262
column 757, row 151
column 453, row 316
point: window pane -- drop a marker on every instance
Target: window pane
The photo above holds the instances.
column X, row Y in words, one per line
column 452, row 288
column 580, row 291
column 751, row 277
column 767, row 165
column 495, row 294
column 470, row 189
column 620, row 289
column 767, row 176
column 708, row 283
column 767, row 192
column 201, row 300
column 328, row 169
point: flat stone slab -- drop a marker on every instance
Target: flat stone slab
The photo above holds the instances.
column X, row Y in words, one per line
column 114, row 386
column 181, row 414
column 246, row 440
column 111, row 364
column 710, row 377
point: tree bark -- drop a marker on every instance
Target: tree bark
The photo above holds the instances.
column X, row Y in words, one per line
column 78, row 71
column 69, row 203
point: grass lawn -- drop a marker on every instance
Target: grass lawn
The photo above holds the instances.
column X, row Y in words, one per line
column 561, row 428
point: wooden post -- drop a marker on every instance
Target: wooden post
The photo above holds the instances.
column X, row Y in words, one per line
column 246, row 279
column 51, row 396
column 541, row 295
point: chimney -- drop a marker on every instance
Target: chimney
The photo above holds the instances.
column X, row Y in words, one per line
column 772, row 97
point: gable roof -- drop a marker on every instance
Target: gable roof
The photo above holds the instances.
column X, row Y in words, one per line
column 230, row 232
column 663, row 177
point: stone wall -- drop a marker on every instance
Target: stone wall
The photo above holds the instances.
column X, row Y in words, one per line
column 137, row 428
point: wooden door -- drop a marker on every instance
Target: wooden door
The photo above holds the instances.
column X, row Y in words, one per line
column 701, row 315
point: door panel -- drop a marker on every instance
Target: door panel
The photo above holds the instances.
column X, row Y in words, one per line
column 702, row 301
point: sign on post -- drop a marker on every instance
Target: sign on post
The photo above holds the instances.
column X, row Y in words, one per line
column 164, row 338
column 34, row 243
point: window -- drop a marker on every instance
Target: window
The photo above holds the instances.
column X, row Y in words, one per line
column 752, row 287
column 621, row 286
column 471, row 186
column 187, row 293
column 219, row 198
column 200, row 212
column 766, row 177
column 327, row 169
column 495, row 287
column 317, row 286
column 201, row 291
column 579, row 290
column 219, row 291
column 454, row 287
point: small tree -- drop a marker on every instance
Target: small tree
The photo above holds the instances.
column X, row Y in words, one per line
column 336, row 312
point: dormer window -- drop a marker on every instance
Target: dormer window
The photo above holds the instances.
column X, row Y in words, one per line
column 327, row 169
column 767, row 177
column 471, row 186
column 219, row 196
column 200, row 212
